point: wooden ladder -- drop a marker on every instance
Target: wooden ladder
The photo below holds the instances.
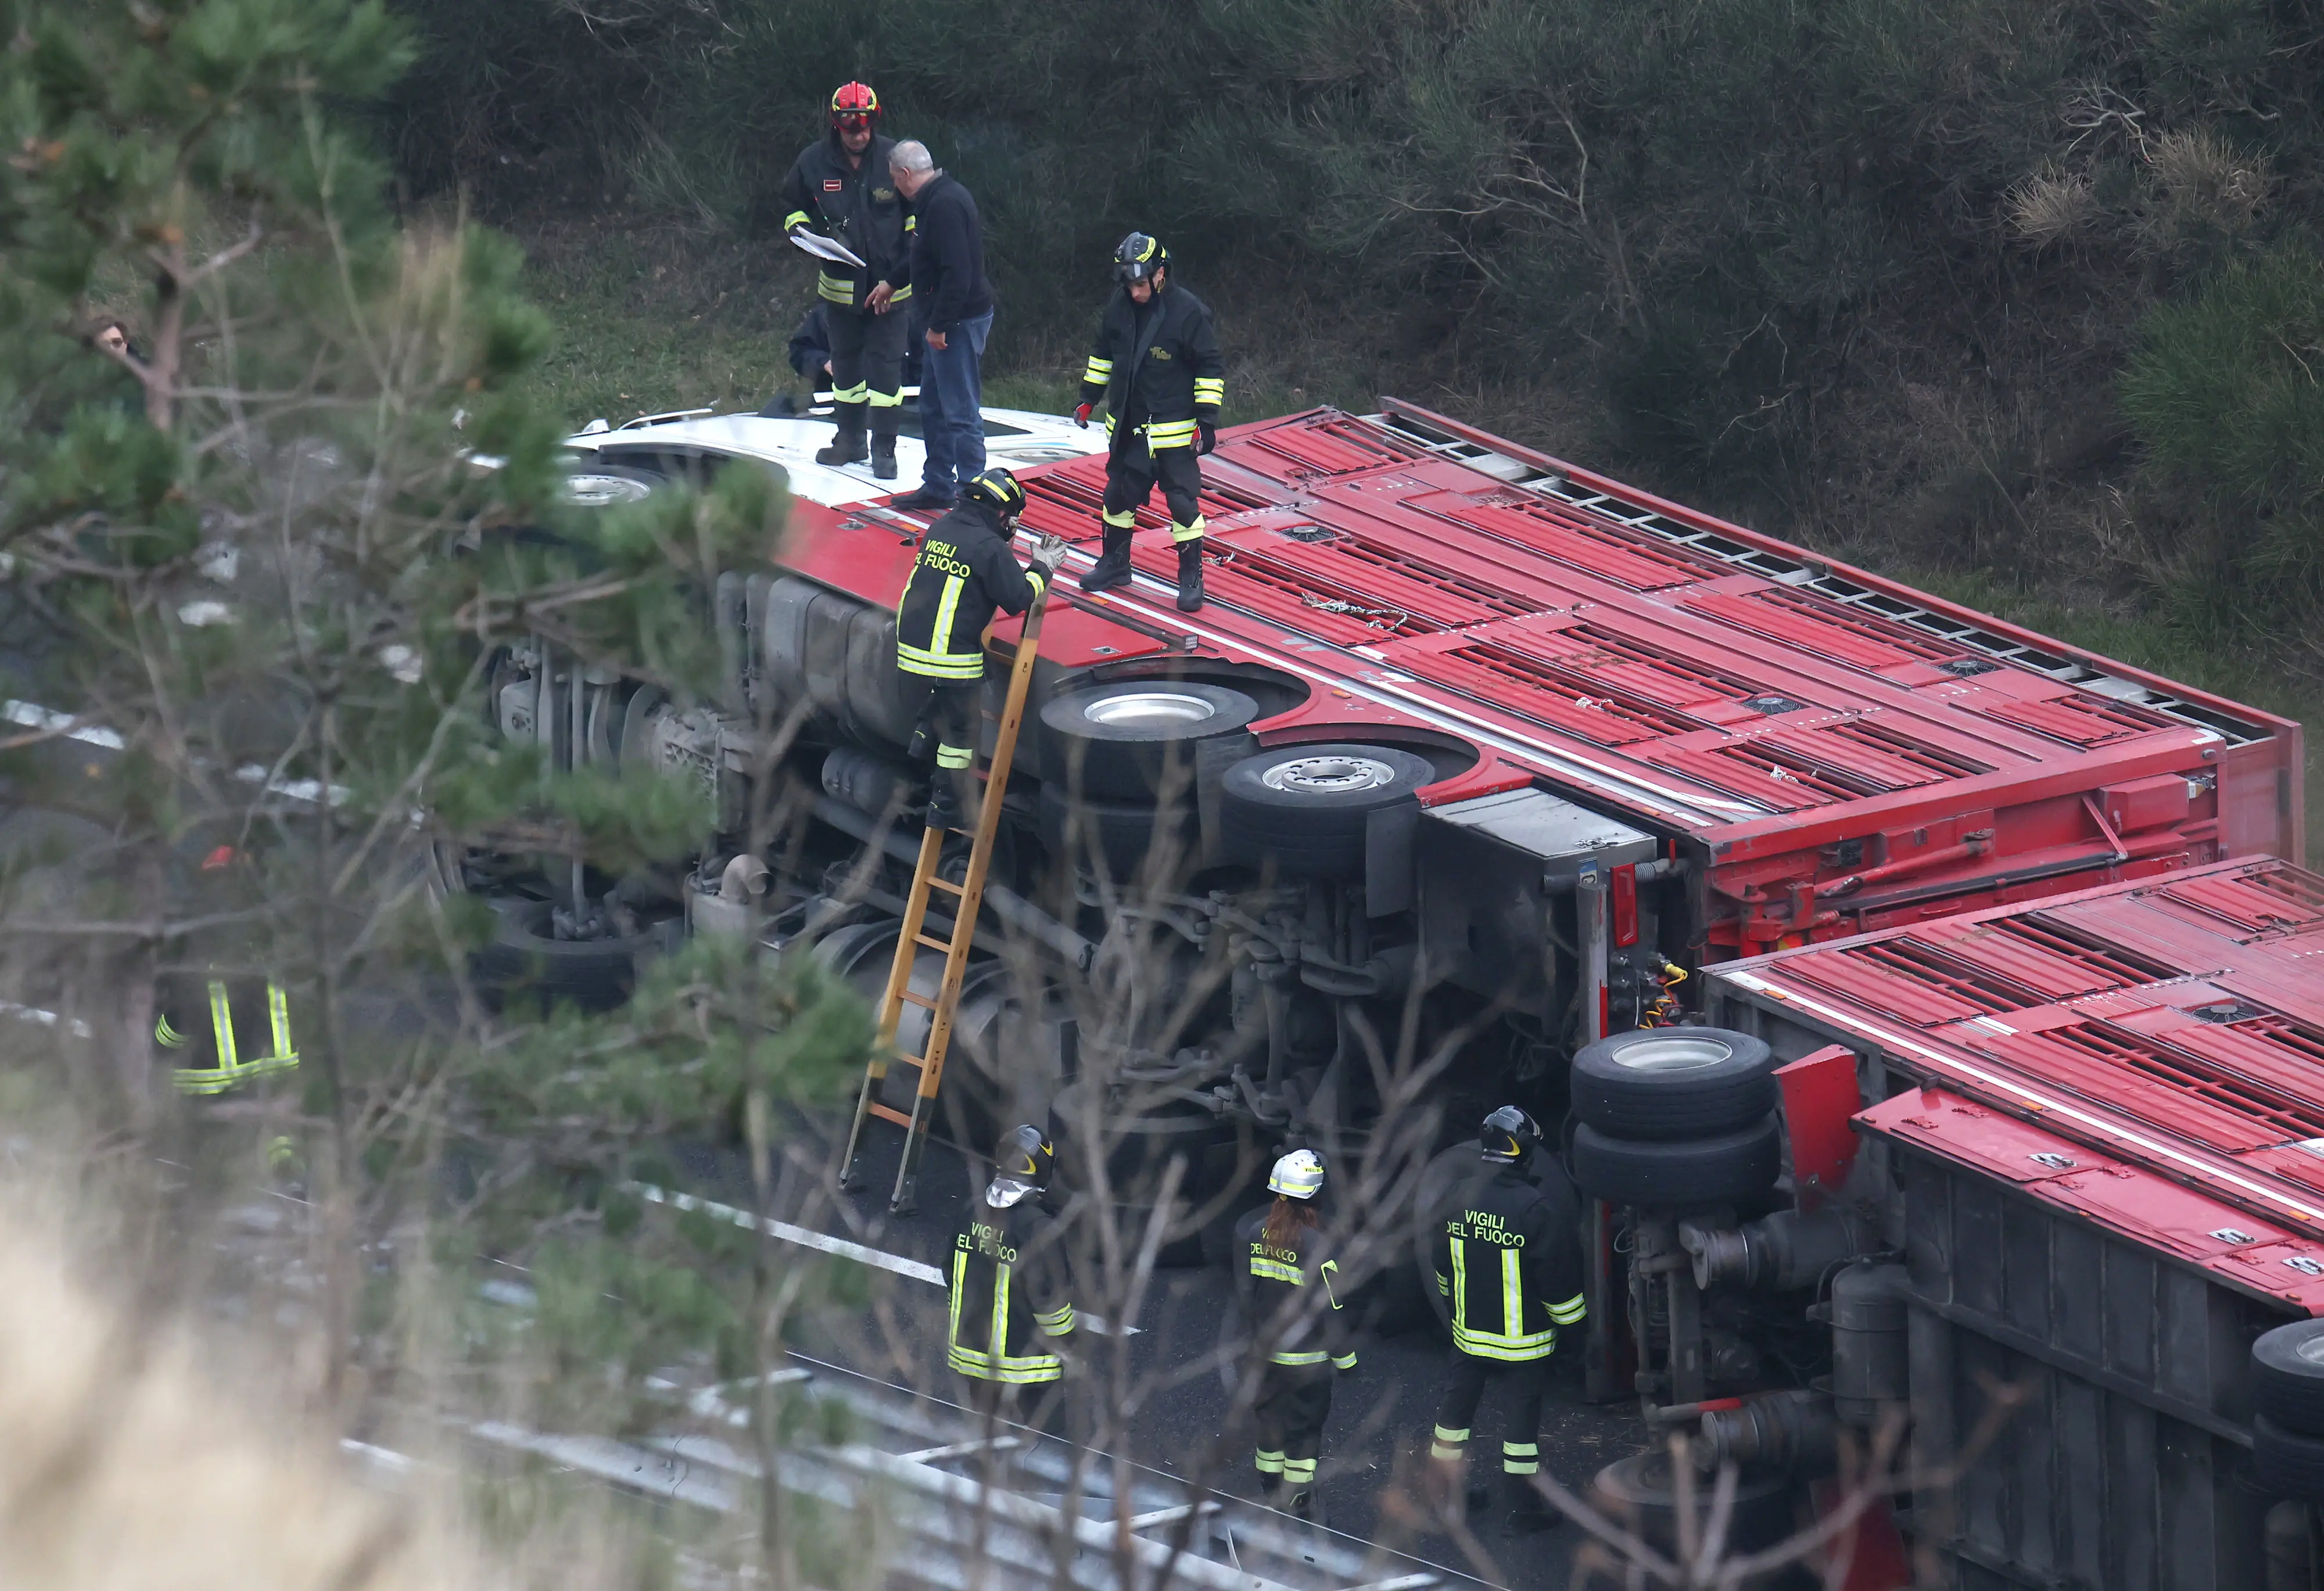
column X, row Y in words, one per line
column 915, row 937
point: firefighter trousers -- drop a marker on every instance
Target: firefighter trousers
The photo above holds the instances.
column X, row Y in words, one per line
column 1523, row 1383
column 1131, row 474
column 1293, row 1404
column 950, row 715
column 867, row 358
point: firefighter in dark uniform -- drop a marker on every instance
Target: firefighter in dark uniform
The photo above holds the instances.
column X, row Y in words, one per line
column 1508, row 1263
column 216, row 1026
column 1011, row 1302
column 1157, row 369
column 962, row 573
column 1290, row 1284
column 840, row 187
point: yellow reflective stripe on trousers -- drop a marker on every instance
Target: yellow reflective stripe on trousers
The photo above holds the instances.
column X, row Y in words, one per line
column 1193, row 532
column 858, row 393
column 954, row 757
column 1120, row 521
column 879, row 399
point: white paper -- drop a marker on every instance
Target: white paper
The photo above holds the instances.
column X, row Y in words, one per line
column 825, row 248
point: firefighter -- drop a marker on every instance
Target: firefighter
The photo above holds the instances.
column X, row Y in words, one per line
column 1508, row 1261
column 840, row 187
column 1157, row 369
column 217, row 1029
column 1012, row 1307
column 1287, row 1257
column 961, row 574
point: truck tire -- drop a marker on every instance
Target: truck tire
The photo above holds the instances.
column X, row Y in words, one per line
column 2286, row 1463
column 1120, row 742
column 1138, row 1157
column 1638, row 1491
column 1303, row 810
column 1701, row 1170
column 525, row 959
column 1667, row 1084
column 1120, row 832
column 605, row 485
column 2287, row 1376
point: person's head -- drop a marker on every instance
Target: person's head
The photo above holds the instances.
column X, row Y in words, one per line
column 1022, row 1166
column 1141, row 265
column 998, row 489
column 112, row 338
column 1296, row 1179
column 1508, row 1137
column 912, row 166
column 854, row 116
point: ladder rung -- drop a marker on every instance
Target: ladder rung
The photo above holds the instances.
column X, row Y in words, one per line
column 922, row 1001
column 885, row 1113
column 934, row 943
column 945, row 884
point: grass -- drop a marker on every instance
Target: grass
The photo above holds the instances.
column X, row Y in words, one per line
column 2257, row 676
column 654, row 317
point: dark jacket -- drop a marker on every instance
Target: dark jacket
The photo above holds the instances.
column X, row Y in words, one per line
column 1509, row 1261
column 1274, row 1280
column 860, row 206
column 963, row 572
column 1157, row 367
column 1010, row 1295
column 948, row 255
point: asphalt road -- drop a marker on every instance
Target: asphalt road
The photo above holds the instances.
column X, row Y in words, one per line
column 1378, row 1435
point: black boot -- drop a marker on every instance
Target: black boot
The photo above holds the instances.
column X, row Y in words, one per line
column 883, row 440
column 1112, row 566
column 847, row 444
column 1524, row 1510
column 1190, row 575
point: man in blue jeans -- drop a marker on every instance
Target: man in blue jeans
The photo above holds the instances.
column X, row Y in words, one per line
column 948, row 281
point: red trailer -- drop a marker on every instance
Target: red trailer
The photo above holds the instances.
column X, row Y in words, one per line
column 1480, row 747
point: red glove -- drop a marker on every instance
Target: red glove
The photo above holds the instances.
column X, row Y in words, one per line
column 1080, row 415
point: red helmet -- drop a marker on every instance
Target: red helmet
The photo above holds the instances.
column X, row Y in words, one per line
column 855, row 103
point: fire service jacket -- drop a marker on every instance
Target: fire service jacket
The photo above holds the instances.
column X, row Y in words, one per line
column 1508, row 1261
column 860, row 206
column 1269, row 1276
column 963, row 572
column 1157, row 367
column 1010, row 1294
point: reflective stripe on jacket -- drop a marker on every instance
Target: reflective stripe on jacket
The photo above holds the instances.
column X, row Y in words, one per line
column 1008, row 1296
column 234, row 1056
column 1508, row 1261
column 961, row 574
column 1156, row 366
column 1317, row 1334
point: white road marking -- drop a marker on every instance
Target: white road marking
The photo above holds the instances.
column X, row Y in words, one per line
column 807, row 1237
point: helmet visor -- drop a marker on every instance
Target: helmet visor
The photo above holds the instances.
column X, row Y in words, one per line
column 1002, row 1192
column 851, row 121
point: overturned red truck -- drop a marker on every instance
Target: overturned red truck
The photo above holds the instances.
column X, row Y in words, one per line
column 1470, row 740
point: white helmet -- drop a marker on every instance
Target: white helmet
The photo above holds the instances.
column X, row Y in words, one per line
column 1297, row 1175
